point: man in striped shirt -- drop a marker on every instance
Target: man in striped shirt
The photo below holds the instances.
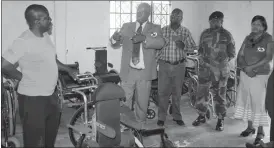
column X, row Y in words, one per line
column 171, row 59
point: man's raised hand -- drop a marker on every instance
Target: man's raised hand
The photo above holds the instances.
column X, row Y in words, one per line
column 117, row 36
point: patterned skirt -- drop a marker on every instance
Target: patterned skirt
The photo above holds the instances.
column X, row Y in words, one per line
column 250, row 105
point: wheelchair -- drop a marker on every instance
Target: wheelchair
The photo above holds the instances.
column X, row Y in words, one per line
column 9, row 106
column 103, row 118
column 190, row 86
column 65, row 84
column 191, row 83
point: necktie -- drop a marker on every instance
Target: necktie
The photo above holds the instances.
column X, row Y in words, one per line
column 136, row 48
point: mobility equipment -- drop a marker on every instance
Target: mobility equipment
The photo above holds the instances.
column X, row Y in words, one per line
column 66, row 83
column 190, row 86
column 8, row 116
column 103, row 118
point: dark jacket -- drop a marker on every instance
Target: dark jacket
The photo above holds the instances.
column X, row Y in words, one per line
column 269, row 97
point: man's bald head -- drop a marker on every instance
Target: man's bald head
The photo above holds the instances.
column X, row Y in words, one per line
column 144, row 6
column 143, row 12
column 177, row 11
column 33, row 12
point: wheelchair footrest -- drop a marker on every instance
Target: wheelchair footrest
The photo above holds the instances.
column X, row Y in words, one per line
column 82, row 129
column 155, row 131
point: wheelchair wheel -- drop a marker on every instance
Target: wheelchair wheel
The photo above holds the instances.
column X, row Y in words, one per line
column 211, row 108
column 79, row 114
column 60, row 93
column 192, row 89
column 185, row 87
column 8, row 113
column 154, row 97
column 13, row 142
column 230, row 98
column 137, row 143
column 151, row 114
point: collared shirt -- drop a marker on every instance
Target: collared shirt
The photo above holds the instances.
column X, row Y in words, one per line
column 37, row 61
column 217, row 47
column 170, row 52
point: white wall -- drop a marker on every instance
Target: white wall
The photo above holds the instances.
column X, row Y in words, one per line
column 81, row 24
column 87, row 26
column 13, row 19
column 237, row 16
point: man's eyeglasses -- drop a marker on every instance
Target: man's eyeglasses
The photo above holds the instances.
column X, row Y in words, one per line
column 176, row 16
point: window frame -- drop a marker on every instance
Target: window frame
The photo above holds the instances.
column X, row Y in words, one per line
column 151, row 19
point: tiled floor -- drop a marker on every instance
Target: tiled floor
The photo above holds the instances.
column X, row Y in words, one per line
column 187, row 136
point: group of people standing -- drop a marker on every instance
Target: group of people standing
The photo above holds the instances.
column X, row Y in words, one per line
column 144, row 45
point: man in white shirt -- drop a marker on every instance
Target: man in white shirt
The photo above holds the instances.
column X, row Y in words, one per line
column 139, row 41
column 35, row 54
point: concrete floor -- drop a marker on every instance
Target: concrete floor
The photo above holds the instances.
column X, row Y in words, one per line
column 186, row 136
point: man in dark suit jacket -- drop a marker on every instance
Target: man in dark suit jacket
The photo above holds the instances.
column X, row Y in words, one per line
column 269, row 107
column 136, row 75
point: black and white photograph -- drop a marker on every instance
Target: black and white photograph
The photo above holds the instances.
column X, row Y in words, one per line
column 167, row 74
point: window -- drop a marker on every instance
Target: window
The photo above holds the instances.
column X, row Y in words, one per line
column 125, row 11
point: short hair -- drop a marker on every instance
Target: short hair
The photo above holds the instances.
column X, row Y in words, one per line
column 29, row 13
column 261, row 19
column 177, row 10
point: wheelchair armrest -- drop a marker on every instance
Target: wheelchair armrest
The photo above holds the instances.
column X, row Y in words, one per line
column 74, row 66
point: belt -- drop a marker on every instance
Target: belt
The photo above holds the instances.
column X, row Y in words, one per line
column 175, row 63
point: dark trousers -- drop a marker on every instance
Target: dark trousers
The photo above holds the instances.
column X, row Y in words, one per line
column 272, row 130
column 170, row 81
column 40, row 117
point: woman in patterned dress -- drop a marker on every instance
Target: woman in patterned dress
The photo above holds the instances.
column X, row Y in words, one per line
column 255, row 60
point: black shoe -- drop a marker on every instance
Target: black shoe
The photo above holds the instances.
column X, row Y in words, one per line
column 160, row 123
column 220, row 125
column 249, row 145
column 259, row 137
column 179, row 122
column 199, row 120
column 247, row 132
